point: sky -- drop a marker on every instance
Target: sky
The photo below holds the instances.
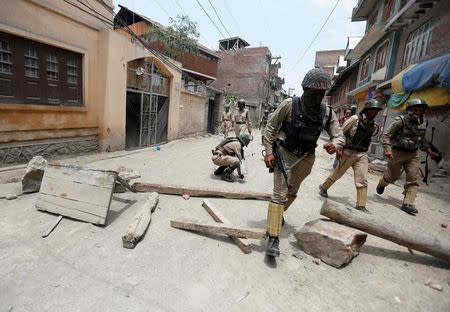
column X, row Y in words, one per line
column 287, row 27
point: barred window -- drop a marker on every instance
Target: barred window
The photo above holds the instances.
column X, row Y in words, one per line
column 72, row 70
column 31, row 62
column 5, row 57
column 52, row 67
column 418, row 44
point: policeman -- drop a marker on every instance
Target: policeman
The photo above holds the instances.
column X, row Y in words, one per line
column 401, row 142
column 225, row 121
column 358, row 131
column 295, row 127
column 228, row 155
column 263, row 122
column 241, row 119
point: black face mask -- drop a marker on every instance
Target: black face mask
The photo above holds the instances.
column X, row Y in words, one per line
column 311, row 102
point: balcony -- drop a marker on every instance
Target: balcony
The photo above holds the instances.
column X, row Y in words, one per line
column 363, row 9
column 411, row 11
column 367, row 42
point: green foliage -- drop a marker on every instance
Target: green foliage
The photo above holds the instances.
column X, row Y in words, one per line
column 230, row 99
column 178, row 38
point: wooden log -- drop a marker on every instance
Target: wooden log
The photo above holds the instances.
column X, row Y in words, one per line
column 409, row 237
column 52, row 227
column 242, row 243
column 217, row 228
column 197, row 191
column 136, row 230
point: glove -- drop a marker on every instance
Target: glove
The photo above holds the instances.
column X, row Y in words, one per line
column 270, row 161
column 388, row 154
column 330, row 148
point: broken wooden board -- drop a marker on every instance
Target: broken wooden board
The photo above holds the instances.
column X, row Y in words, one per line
column 76, row 192
column 218, row 228
column 52, row 227
column 197, row 191
column 136, row 230
column 242, row 243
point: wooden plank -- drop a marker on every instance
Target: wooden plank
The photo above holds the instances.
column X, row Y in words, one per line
column 197, row 191
column 48, row 205
column 52, row 227
column 75, row 192
column 403, row 235
column 218, row 228
column 97, row 196
column 137, row 228
column 242, row 243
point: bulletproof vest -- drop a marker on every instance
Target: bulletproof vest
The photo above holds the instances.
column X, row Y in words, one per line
column 360, row 141
column 411, row 136
column 226, row 141
column 303, row 131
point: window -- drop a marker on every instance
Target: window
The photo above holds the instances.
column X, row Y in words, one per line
column 365, row 68
column 371, row 21
column 418, row 44
column 52, row 67
column 380, row 60
column 31, row 62
column 388, row 8
column 35, row 73
column 72, row 70
column 5, row 57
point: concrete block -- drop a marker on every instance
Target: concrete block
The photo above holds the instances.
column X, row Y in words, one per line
column 333, row 243
column 31, row 181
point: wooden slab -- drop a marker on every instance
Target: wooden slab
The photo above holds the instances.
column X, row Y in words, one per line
column 51, row 227
column 197, row 191
column 76, row 192
column 242, row 243
column 217, row 228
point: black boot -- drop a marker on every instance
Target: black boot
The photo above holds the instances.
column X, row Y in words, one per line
column 380, row 189
column 272, row 247
column 228, row 174
column 322, row 191
column 409, row 209
column 219, row 170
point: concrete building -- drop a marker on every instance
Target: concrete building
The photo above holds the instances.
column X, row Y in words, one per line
column 327, row 61
column 249, row 73
column 63, row 80
column 401, row 33
column 199, row 103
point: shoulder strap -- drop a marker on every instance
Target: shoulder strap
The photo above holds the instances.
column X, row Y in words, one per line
column 296, row 107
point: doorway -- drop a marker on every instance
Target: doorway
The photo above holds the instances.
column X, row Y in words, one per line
column 210, row 125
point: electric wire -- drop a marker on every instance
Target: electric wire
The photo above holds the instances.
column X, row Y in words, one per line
column 218, row 17
column 201, row 6
column 232, row 17
column 315, row 37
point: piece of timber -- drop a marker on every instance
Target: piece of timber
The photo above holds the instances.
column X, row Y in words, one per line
column 406, row 236
column 242, row 243
column 217, row 228
column 76, row 192
column 52, row 227
column 141, row 221
column 197, row 191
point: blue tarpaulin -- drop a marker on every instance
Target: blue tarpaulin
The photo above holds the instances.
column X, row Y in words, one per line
column 431, row 73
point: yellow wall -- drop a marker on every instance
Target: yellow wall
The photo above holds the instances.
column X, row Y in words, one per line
column 105, row 56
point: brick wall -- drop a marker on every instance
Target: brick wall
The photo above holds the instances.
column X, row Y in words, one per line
column 440, row 40
column 193, row 114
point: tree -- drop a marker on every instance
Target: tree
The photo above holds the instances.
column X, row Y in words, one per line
column 178, row 38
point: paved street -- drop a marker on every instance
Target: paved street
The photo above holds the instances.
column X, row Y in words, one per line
column 82, row 267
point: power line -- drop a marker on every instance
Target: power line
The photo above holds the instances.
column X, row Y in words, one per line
column 176, row 1
column 232, row 17
column 108, row 22
column 315, row 37
column 209, row 18
column 220, row 20
column 162, row 8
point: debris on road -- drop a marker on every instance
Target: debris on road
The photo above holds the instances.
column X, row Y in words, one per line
column 52, row 227
column 11, row 196
column 433, row 285
column 333, row 243
column 217, row 228
column 75, row 192
column 136, row 230
column 31, row 181
column 197, row 191
column 444, row 225
column 124, row 176
column 408, row 237
column 242, row 243
column 186, row 196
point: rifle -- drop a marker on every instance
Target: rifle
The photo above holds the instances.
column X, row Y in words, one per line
column 279, row 162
